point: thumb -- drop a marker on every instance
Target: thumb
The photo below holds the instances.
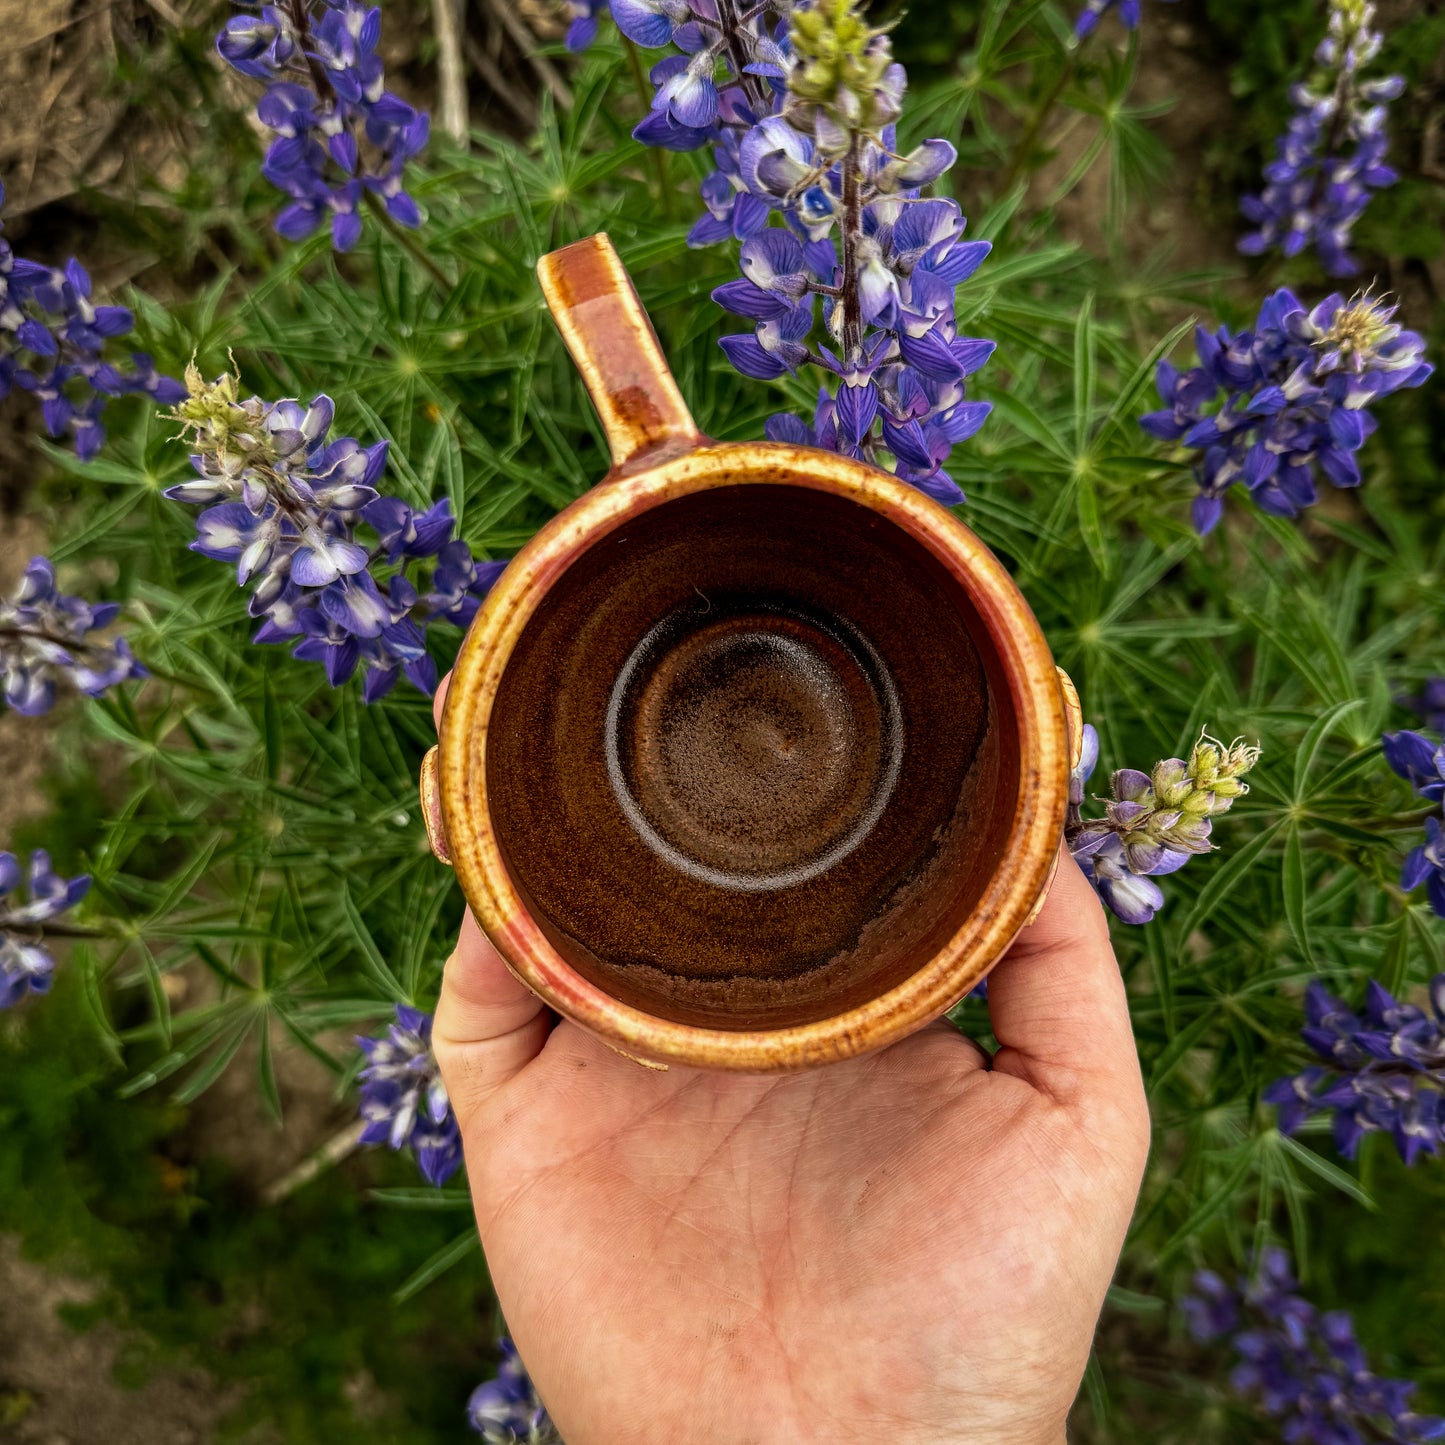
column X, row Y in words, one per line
column 488, row 1026
column 1057, row 1000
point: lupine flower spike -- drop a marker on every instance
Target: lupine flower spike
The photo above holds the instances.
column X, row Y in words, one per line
column 1384, row 1071
column 809, row 179
column 54, row 343
column 1277, row 405
column 1094, row 11
column 1154, row 822
column 339, row 133
column 26, row 965
column 1332, row 156
column 506, row 1411
column 1420, row 760
column 403, row 1100
column 44, row 635
column 284, row 505
column 1301, row 1366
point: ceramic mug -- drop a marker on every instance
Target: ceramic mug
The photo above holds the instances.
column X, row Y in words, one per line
column 754, row 757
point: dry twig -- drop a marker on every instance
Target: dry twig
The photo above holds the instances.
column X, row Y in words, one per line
column 450, row 17
column 516, row 27
column 516, row 100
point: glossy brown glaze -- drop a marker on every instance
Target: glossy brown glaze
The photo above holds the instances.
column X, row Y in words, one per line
column 754, row 758
column 731, row 742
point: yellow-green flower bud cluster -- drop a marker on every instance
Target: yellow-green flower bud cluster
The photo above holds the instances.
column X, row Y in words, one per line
column 843, row 78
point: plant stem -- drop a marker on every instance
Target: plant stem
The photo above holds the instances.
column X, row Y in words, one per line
column 526, row 42
column 852, row 231
column 1023, row 150
column 407, row 242
column 451, row 71
column 38, row 931
column 1415, row 819
column 338, row 1147
column 301, row 20
column 639, row 79
column 732, row 27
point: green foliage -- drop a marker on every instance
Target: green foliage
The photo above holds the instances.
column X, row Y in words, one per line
column 255, row 835
column 293, row 1302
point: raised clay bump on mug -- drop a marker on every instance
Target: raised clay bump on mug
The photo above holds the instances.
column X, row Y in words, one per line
column 754, row 757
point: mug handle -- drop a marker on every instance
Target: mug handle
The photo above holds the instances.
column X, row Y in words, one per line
column 646, row 421
column 596, row 308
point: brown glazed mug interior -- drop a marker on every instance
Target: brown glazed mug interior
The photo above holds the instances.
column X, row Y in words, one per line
column 745, row 763
column 754, row 757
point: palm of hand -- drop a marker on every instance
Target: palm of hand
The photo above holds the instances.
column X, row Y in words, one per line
column 912, row 1245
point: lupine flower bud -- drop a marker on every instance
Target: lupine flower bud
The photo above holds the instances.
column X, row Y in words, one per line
column 1421, row 762
column 339, row 132
column 506, row 1410
column 843, row 77
column 801, row 126
column 53, row 344
column 1094, row 11
column 1332, row 156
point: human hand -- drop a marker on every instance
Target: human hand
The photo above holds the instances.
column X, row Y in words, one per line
column 914, row 1245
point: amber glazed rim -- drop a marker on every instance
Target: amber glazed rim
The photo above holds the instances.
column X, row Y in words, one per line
column 1029, row 850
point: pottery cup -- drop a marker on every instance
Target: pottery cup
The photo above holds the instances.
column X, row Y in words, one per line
column 755, row 757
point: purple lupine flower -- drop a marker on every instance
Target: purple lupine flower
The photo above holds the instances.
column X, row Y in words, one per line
column 1332, row 155
column 1302, row 1366
column 1384, row 1070
column 285, row 504
column 806, row 176
column 339, row 133
column 1094, row 11
column 1417, row 759
column 585, row 17
column 1421, row 762
column 44, row 635
column 26, row 965
column 403, row 1100
column 507, row 1410
column 53, row 344
column 1275, row 406
column 1154, row 822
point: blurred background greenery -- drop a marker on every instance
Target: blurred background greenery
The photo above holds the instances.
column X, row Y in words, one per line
column 189, row 1248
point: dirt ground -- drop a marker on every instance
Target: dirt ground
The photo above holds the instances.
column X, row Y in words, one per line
column 57, row 1386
